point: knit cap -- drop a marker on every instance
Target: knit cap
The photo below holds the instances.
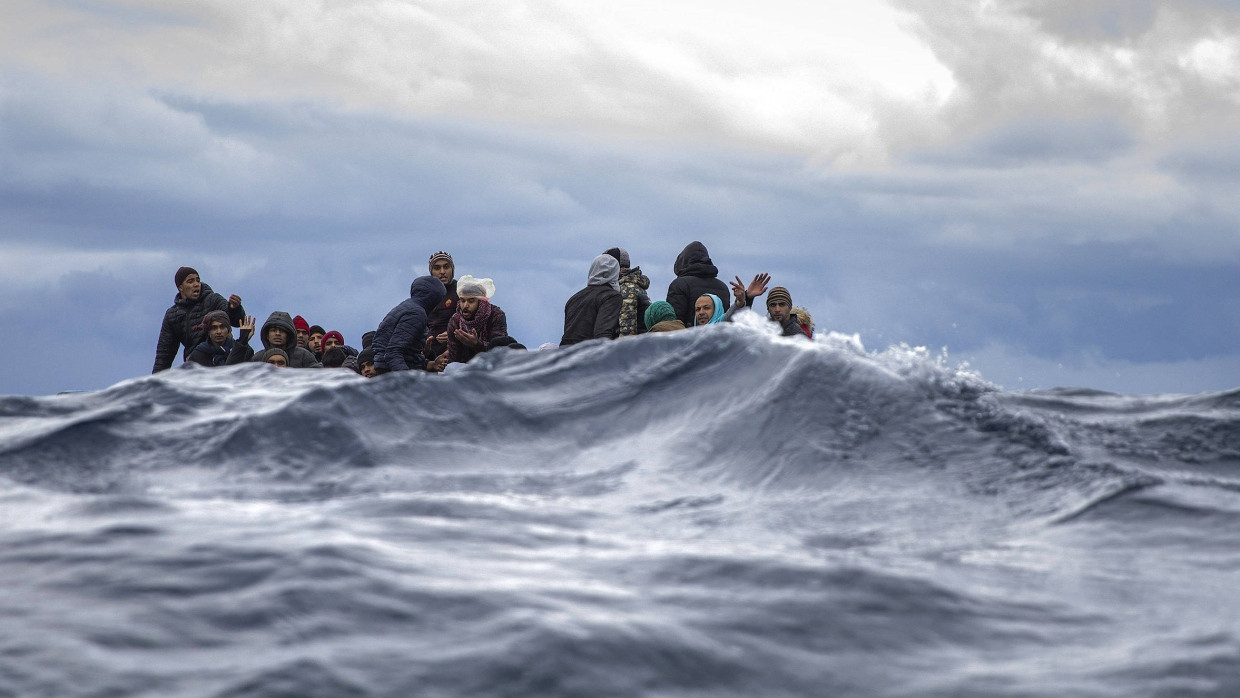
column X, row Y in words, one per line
column 621, row 255
column 183, row 273
column 299, row 323
column 779, row 293
column 438, row 256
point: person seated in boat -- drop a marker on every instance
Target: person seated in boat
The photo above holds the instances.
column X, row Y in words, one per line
column 477, row 321
column 594, row 311
column 708, row 310
column 660, row 317
column 274, row 356
column 183, row 322
column 400, row 340
column 779, row 309
column 219, row 342
column 277, row 333
column 331, row 339
column 302, row 327
column 366, row 363
column 316, row 341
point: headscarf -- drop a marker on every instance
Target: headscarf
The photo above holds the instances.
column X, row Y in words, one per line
column 718, row 316
column 658, row 312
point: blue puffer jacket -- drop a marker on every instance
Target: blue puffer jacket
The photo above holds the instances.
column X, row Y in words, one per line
column 401, row 336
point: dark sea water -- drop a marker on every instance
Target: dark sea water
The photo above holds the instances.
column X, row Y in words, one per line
column 709, row 513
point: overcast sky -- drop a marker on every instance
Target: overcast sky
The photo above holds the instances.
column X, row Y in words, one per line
column 1046, row 189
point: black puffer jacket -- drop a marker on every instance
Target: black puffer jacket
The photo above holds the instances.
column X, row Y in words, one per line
column 696, row 276
column 183, row 325
column 401, row 336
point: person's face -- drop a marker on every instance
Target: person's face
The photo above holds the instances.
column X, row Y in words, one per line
column 330, row 342
column 191, row 287
column 218, row 333
column 779, row 310
column 277, row 360
column 303, row 339
column 469, row 306
column 277, row 336
column 443, row 270
column 316, row 342
column 703, row 310
column 368, row 370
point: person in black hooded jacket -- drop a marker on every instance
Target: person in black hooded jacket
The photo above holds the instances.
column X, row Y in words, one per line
column 594, row 311
column 285, row 338
column 183, row 321
column 696, row 276
column 401, row 337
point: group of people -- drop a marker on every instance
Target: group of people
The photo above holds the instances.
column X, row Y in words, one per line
column 447, row 320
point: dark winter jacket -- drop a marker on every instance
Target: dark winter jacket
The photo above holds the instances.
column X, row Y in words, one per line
column 792, row 327
column 696, row 276
column 209, row 354
column 594, row 311
column 183, row 325
column 437, row 321
column 298, row 357
column 634, row 302
column 401, row 336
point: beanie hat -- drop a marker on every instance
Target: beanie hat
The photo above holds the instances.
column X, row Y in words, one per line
column 214, row 316
column 468, row 286
column 366, row 356
column 621, row 255
column 658, row 312
column 317, row 329
column 367, row 340
column 779, row 293
column 339, row 337
column 299, row 323
column 438, row 256
column 268, row 353
column 183, row 273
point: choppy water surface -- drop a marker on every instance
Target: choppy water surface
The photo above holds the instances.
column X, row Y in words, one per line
column 709, row 513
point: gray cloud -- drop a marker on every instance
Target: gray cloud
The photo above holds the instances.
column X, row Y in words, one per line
column 1048, row 210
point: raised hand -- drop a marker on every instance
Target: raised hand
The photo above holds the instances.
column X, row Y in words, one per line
column 234, row 301
column 247, row 326
column 757, row 287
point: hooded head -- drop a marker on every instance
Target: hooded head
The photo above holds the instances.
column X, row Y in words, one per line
column 621, row 255
column 658, row 312
column 428, row 291
column 716, row 310
column 283, row 321
column 605, row 271
column 694, row 260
